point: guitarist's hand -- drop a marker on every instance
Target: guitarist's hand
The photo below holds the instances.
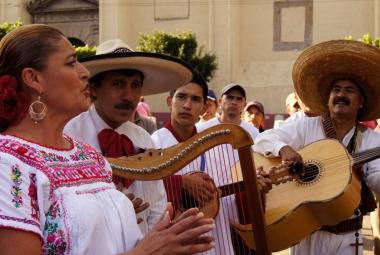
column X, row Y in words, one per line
column 196, row 186
column 138, row 205
column 289, row 156
column 263, row 180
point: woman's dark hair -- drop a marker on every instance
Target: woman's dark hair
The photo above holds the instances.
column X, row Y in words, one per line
column 28, row 46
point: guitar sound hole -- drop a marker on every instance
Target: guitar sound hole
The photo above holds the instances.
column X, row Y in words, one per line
column 312, row 172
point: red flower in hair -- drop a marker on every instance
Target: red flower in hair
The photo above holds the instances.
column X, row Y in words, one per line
column 13, row 102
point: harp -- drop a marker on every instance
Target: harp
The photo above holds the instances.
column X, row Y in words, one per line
column 223, row 146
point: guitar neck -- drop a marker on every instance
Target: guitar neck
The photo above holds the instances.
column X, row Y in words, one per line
column 231, row 188
column 365, row 156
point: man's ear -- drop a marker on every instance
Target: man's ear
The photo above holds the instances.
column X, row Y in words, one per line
column 93, row 91
column 169, row 101
column 33, row 79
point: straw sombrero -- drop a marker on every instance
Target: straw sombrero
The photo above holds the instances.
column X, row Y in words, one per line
column 320, row 65
column 161, row 73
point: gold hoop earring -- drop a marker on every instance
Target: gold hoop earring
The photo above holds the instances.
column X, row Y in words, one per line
column 41, row 108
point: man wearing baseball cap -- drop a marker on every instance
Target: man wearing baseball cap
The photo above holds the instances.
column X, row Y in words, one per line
column 254, row 114
column 210, row 107
column 221, row 158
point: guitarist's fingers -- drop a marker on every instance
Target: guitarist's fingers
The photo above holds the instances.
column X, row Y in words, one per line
column 202, row 198
column 141, row 207
column 207, row 194
column 137, row 202
column 288, row 155
column 205, row 176
column 265, row 184
column 259, row 169
column 131, row 196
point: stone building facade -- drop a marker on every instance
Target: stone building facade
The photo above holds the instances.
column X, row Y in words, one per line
column 256, row 41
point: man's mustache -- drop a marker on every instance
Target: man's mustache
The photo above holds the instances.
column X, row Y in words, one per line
column 126, row 105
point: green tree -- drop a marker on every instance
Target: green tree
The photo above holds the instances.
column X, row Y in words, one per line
column 182, row 45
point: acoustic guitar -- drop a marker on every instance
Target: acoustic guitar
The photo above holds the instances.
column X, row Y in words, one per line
column 326, row 194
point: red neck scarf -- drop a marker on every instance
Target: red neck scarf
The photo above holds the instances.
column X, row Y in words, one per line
column 115, row 145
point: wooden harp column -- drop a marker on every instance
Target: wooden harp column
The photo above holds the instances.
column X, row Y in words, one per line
column 155, row 164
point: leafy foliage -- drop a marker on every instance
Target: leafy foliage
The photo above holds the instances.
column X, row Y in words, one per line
column 182, row 45
column 85, row 51
column 7, row 27
column 367, row 38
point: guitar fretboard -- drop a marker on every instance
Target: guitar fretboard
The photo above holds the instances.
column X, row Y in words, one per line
column 365, row 156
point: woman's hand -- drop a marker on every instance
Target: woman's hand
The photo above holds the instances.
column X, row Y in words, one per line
column 185, row 235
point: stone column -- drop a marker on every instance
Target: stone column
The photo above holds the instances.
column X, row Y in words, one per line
column 11, row 10
column 114, row 20
column 377, row 19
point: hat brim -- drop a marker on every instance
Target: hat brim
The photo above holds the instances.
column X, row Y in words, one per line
column 161, row 73
column 320, row 65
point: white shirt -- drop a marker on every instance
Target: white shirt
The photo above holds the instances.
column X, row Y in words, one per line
column 219, row 165
column 86, row 127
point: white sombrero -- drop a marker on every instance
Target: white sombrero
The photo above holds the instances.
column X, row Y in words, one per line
column 161, row 73
column 320, row 65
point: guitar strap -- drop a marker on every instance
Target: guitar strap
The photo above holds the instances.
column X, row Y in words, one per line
column 367, row 203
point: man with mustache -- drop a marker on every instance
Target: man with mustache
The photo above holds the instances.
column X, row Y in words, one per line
column 116, row 89
column 339, row 81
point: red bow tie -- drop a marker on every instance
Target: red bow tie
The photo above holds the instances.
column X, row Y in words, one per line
column 115, row 145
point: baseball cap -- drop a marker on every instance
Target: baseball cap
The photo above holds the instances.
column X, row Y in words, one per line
column 255, row 103
column 231, row 86
column 211, row 95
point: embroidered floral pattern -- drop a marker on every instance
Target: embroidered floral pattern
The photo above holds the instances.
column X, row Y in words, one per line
column 16, row 190
column 32, row 192
column 51, row 157
column 79, row 154
column 54, row 232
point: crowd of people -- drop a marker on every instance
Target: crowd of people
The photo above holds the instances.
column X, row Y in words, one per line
column 60, row 118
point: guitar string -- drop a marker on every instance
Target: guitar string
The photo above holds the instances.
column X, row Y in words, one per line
column 338, row 163
column 365, row 155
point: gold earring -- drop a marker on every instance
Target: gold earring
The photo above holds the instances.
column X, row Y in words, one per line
column 37, row 110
